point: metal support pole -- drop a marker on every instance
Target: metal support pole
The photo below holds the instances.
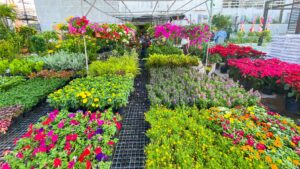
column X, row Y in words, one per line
column 209, row 23
column 266, row 9
column 84, row 43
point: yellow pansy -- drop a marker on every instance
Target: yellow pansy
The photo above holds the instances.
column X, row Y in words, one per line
column 84, row 100
column 96, row 100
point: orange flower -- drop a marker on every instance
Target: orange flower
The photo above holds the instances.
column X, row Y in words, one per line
column 265, row 129
column 296, row 162
column 274, row 166
column 268, row 159
column 269, row 134
column 277, row 142
column 284, row 122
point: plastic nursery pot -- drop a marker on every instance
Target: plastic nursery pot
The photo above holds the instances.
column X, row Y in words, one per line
column 292, row 105
column 224, row 68
column 267, row 90
column 118, row 110
column 218, row 66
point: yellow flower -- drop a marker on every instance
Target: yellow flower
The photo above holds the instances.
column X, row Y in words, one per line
column 227, row 115
column 96, row 100
column 109, row 100
column 296, row 162
column 83, row 96
column 84, row 100
column 93, row 105
column 50, row 51
column 57, row 46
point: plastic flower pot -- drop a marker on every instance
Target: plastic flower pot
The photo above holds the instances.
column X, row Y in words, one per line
column 267, row 90
column 292, row 105
column 118, row 110
column 224, row 68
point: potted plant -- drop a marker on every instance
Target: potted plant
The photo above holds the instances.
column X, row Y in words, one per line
column 292, row 102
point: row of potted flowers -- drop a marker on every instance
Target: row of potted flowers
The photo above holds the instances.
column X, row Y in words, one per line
column 268, row 75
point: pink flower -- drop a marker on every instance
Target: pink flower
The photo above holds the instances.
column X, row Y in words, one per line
column 74, row 122
column 61, row 124
column 71, row 164
column 71, row 137
column 54, row 138
column 260, row 146
column 6, row 166
column 20, row 155
column 57, row 162
column 250, row 142
column 100, row 122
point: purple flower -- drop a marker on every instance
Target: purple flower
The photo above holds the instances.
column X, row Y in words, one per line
column 99, row 131
column 101, row 157
column 71, row 115
column 41, row 129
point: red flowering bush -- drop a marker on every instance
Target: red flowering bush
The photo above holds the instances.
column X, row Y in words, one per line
column 235, row 51
column 112, row 32
column 67, row 140
column 266, row 72
column 291, row 80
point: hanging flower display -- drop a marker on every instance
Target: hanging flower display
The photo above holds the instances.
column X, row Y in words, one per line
column 78, row 25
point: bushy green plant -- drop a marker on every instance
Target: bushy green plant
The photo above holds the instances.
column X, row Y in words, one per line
column 38, row 44
column 124, row 65
column 29, row 93
column 8, row 49
column 24, row 67
column 180, row 139
column 4, row 65
column 164, row 49
column 186, row 87
column 221, row 21
column 62, row 61
column 75, row 44
column 6, row 82
column 158, row 60
column 93, row 93
column 26, row 33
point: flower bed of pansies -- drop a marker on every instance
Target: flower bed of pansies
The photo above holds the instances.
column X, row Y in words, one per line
column 221, row 138
column 185, row 86
column 235, row 51
column 67, row 140
column 93, row 93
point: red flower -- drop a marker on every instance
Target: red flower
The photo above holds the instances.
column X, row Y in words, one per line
column 85, row 153
column 260, row 146
column 20, row 155
column 71, row 137
column 119, row 125
column 98, row 150
column 57, row 162
column 74, row 122
column 47, row 122
column 111, row 143
column 88, row 164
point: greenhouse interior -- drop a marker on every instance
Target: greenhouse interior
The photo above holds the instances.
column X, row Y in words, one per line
column 154, row 84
